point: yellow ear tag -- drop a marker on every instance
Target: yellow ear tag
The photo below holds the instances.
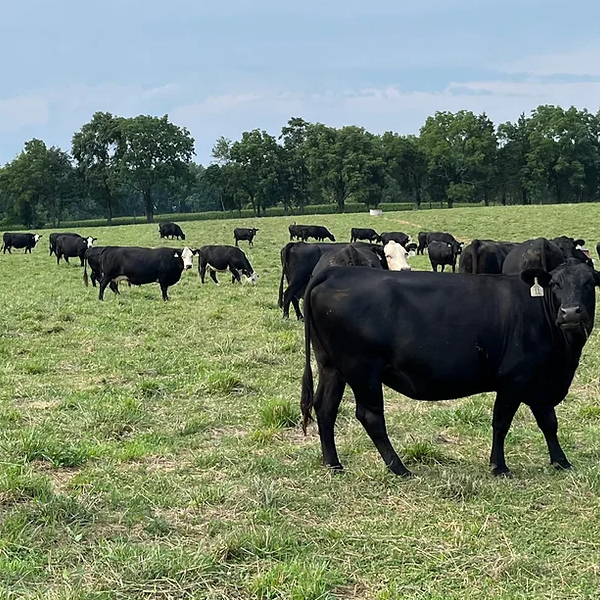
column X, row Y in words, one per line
column 536, row 291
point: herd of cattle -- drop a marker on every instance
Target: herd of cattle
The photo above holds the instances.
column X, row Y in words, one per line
column 514, row 320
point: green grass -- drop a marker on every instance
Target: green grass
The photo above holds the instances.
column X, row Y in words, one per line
column 152, row 450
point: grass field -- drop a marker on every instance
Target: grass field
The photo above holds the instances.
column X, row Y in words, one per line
column 152, row 450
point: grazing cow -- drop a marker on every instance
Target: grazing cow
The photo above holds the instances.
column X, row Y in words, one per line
column 370, row 328
column 395, row 256
column 139, row 266
column 348, row 256
column 539, row 253
column 19, row 240
column 225, row 258
column 364, row 234
column 70, row 246
column 171, row 230
column 441, row 254
column 295, row 231
column 297, row 263
column 244, row 234
column 484, row 256
column 54, row 236
column 396, row 236
column 318, row 232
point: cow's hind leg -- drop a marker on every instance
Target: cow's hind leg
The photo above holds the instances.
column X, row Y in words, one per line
column 164, row 288
column 326, row 404
column 213, row 276
column 547, row 422
column 369, row 411
column 505, row 409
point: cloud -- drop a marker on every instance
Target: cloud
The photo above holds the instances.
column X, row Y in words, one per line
column 22, row 111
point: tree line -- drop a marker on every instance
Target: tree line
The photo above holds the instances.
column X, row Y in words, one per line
column 144, row 166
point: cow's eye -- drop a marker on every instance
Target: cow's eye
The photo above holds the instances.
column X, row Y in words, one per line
column 557, row 285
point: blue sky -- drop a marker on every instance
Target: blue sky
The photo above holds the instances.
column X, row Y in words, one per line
column 220, row 68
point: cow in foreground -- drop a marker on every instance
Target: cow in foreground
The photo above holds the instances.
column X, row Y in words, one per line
column 395, row 256
column 485, row 256
column 139, row 266
column 244, row 234
column 71, row 246
column 19, row 240
column 370, row 235
column 541, row 253
column 297, row 263
column 369, row 328
column 225, row 258
column 170, row 230
column 442, row 254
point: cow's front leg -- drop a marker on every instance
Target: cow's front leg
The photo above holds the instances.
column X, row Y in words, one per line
column 504, row 412
column 548, row 423
column 213, row 276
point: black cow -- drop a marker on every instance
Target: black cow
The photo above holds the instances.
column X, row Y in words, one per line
column 370, row 328
column 539, row 253
column 297, row 263
column 426, row 237
column 364, row 234
column 396, row 236
column 139, row 266
column 19, row 240
column 54, row 236
column 572, row 248
column 70, row 246
column 92, row 258
column 484, row 256
column 171, row 230
column 222, row 259
column 295, row 231
column 441, row 254
column 422, row 238
column 348, row 256
column 244, row 234
column 303, row 232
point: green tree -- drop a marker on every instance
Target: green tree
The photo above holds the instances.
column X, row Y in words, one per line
column 295, row 181
column 151, row 151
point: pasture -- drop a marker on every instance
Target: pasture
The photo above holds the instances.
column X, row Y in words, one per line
column 153, row 450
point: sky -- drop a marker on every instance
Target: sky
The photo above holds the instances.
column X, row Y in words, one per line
column 221, row 68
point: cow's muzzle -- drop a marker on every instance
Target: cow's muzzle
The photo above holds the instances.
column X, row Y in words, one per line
column 569, row 317
column 187, row 267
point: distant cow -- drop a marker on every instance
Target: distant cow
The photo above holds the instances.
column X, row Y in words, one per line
column 19, row 240
column 441, row 254
column 441, row 336
column 70, row 246
column 295, row 232
column 348, row 256
column 395, row 256
column 297, row 263
column 171, row 230
column 426, row 237
column 54, row 236
column 303, row 232
column 225, row 258
column 139, row 266
column 485, row 256
column 396, row 236
column 244, row 234
column 370, row 235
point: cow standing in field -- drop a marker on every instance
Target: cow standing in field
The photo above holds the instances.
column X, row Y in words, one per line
column 370, row 235
column 441, row 254
column 244, row 234
column 426, row 237
column 54, row 236
column 297, row 263
column 71, row 246
column 303, row 232
column 19, row 240
column 369, row 328
column 222, row 259
column 139, row 266
column 484, row 256
column 92, row 258
column 170, row 230
column 395, row 256
column 396, row 236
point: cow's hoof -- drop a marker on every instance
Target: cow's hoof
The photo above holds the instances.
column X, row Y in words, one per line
column 337, row 468
column 406, row 474
column 562, row 465
column 502, row 473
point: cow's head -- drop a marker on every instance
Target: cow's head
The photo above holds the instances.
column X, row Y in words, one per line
column 90, row 241
column 182, row 235
column 254, row 231
column 331, row 237
column 249, row 278
column 572, row 288
column 36, row 237
column 395, row 255
column 187, row 256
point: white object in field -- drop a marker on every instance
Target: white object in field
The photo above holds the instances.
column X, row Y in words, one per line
column 375, row 212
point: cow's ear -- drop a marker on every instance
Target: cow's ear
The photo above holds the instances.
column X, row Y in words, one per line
column 530, row 275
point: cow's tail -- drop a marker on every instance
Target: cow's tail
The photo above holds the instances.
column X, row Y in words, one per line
column 284, row 257
column 85, row 264
column 475, row 254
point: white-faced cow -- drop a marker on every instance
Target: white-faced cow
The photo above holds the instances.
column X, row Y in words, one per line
column 139, row 266
column 221, row 259
column 245, row 234
column 170, row 230
column 19, row 240
column 71, row 246
column 443, row 336
column 395, row 256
